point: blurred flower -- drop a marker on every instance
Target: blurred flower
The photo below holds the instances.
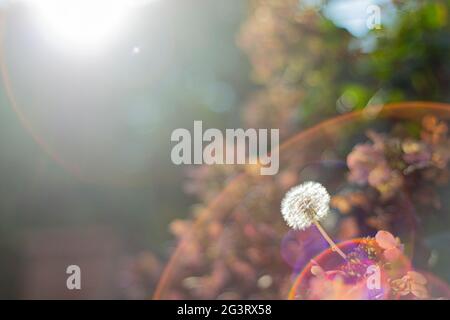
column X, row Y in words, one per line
column 385, row 180
column 434, row 131
column 362, row 160
column 415, row 154
column 387, row 162
column 412, row 283
column 392, row 247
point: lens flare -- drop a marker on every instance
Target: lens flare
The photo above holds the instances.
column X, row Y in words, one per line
column 81, row 23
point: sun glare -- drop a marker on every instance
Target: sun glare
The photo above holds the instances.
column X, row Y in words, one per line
column 82, row 23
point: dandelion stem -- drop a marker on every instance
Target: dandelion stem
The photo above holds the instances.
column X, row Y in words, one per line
column 330, row 241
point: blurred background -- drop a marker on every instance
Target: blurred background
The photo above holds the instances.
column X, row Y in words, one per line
column 92, row 90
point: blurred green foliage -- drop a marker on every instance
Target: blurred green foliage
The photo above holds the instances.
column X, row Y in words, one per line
column 408, row 58
column 411, row 61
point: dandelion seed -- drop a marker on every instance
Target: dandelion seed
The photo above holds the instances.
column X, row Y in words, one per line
column 305, row 205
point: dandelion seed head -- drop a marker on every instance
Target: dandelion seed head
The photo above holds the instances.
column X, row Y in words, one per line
column 304, row 204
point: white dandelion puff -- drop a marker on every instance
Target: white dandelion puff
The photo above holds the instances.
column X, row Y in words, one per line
column 305, row 205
